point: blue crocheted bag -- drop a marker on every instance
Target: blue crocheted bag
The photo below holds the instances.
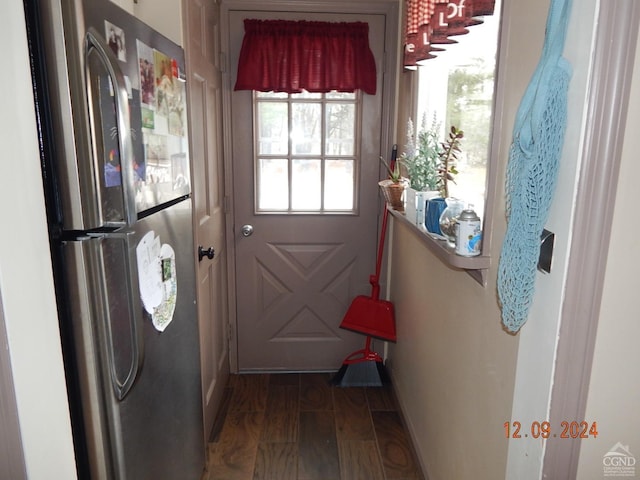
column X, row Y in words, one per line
column 538, row 137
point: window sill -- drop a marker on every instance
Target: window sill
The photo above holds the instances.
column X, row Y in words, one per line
column 475, row 266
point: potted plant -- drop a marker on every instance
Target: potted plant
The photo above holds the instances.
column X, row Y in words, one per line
column 447, row 159
column 446, row 168
column 421, row 160
column 393, row 187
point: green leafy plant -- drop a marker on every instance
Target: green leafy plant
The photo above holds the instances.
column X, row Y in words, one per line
column 448, row 157
column 395, row 173
column 421, row 155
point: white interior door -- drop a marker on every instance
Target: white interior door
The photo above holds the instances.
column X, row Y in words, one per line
column 204, row 89
column 298, row 264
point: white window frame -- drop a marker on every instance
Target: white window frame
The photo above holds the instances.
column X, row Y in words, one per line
column 290, row 157
column 478, row 266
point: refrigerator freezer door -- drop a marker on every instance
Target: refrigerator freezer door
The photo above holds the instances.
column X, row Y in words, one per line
column 113, row 160
column 155, row 431
column 76, row 175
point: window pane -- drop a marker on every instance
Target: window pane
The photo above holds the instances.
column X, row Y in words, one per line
column 457, row 88
column 298, row 132
column 340, row 129
column 306, row 179
column 305, row 94
column 272, row 94
column 338, row 185
column 273, row 186
column 306, row 132
column 341, row 95
column 273, row 128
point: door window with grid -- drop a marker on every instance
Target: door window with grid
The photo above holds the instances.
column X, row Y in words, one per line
column 306, row 152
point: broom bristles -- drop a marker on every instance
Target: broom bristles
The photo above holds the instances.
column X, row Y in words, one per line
column 361, row 374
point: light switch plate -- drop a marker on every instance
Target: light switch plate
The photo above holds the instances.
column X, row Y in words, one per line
column 547, row 240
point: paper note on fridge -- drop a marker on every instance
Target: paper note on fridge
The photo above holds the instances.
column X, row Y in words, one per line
column 157, row 278
column 163, row 313
column 150, row 271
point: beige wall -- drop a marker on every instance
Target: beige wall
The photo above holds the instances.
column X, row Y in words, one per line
column 164, row 16
column 25, row 269
column 614, row 390
column 453, row 367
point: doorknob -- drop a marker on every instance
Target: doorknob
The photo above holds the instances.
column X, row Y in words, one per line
column 209, row 253
column 247, row 230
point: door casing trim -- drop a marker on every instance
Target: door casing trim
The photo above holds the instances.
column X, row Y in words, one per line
column 614, row 54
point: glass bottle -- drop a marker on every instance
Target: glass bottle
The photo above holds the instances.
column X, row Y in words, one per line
column 448, row 219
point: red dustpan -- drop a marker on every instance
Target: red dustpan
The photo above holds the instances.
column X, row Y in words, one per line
column 370, row 315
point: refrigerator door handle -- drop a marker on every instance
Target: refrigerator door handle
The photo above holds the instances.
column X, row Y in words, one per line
column 93, row 41
column 121, row 387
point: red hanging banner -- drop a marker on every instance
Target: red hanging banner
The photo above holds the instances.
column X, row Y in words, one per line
column 431, row 22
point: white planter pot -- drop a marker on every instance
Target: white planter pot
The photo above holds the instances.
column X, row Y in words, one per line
column 415, row 204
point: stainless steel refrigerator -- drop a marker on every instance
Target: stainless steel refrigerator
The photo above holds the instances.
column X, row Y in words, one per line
column 111, row 107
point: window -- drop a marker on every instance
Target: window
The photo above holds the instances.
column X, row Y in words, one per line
column 456, row 88
column 306, row 158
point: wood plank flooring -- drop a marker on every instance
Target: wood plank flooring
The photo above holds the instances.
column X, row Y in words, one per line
column 298, row 427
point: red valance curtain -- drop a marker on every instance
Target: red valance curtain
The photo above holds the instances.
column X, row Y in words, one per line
column 433, row 22
column 291, row 56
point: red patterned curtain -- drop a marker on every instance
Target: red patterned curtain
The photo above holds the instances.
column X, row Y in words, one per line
column 291, row 56
column 433, row 22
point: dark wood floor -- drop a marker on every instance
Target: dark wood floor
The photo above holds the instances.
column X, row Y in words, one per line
column 298, row 427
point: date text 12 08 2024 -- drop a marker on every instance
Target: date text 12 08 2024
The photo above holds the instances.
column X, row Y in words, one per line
column 545, row 430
